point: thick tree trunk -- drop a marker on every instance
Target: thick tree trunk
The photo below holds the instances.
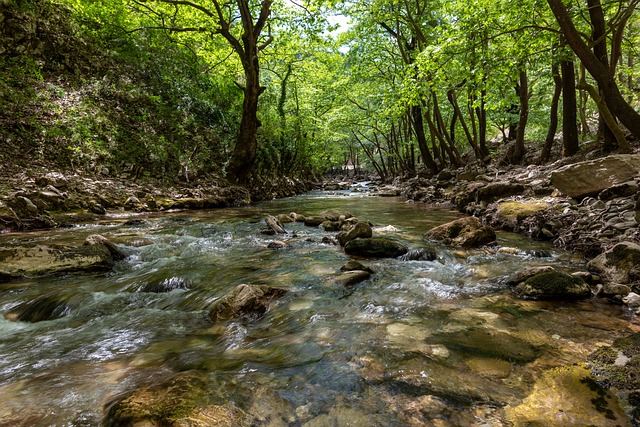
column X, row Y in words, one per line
column 569, row 109
column 601, row 73
column 244, row 154
column 553, row 115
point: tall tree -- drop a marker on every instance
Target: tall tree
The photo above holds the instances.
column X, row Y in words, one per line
column 601, row 72
column 220, row 19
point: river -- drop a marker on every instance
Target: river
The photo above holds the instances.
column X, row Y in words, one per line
column 447, row 334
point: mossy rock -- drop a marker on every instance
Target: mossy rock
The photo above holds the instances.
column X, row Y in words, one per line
column 567, row 396
column 518, row 211
column 618, row 367
column 247, row 302
column 375, row 247
column 466, row 232
column 553, row 284
column 180, row 401
column 620, row 264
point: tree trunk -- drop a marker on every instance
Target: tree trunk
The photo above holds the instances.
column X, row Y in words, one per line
column 553, row 115
column 600, row 72
column 569, row 109
column 523, row 95
column 244, row 154
column 418, row 127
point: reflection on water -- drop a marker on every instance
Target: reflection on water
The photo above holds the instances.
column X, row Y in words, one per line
column 418, row 342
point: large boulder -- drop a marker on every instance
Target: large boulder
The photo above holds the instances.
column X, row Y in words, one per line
column 180, row 401
column 620, row 264
column 467, row 232
column 548, row 283
column 359, row 230
column 247, row 302
column 591, row 177
column 567, row 396
column 375, row 247
column 46, row 260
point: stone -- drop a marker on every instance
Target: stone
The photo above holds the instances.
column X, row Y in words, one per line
column 247, row 302
column 466, row 232
column 350, row 278
column 567, row 396
column 360, row 230
column 625, row 189
column 180, row 401
column 96, row 239
column 313, row 221
column 352, row 265
column 40, row 309
column 296, row 217
column 632, row 300
column 375, row 247
column 331, row 225
column 419, row 255
column 620, row 264
column 43, row 260
column 274, row 224
column 334, row 215
column 277, row 244
column 166, row 285
column 591, row 177
column 549, row 283
column 618, row 367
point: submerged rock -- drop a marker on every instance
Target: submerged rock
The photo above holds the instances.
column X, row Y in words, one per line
column 467, row 232
column 419, row 255
column 548, row 283
column 591, row 177
column 375, row 247
column 620, row 264
column 41, row 308
column 567, row 396
column 180, row 401
column 350, row 278
column 249, row 302
column 352, row 265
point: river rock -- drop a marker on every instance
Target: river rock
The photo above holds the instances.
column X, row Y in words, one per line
column 632, row 300
column 96, row 239
column 277, row 244
column 274, row 224
column 334, row 215
column 467, row 232
column 626, row 189
column 313, row 221
column 620, row 264
column 359, row 230
column 567, row 396
column 350, row 278
column 375, row 247
column 591, row 177
column 42, row 308
column 419, row 255
column 248, row 302
column 180, row 401
column 353, row 265
column 618, row 367
column 43, row 260
column 548, row 283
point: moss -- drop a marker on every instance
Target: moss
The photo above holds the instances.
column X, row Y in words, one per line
column 553, row 284
column 518, row 211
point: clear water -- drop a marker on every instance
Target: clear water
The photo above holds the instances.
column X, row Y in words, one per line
column 420, row 341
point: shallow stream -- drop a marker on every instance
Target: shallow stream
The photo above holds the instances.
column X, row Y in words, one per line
column 439, row 342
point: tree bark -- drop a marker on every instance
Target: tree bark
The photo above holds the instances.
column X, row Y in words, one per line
column 545, row 155
column 523, row 95
column 569, row 109
column 600, row 72
column 418, row 127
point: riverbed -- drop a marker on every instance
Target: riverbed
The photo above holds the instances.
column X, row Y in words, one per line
column 441, row 342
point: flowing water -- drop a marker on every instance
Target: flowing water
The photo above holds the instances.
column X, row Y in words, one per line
column 434, row 342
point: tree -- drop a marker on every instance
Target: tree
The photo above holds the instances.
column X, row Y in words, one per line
column 247, row 41
column 600, row 71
